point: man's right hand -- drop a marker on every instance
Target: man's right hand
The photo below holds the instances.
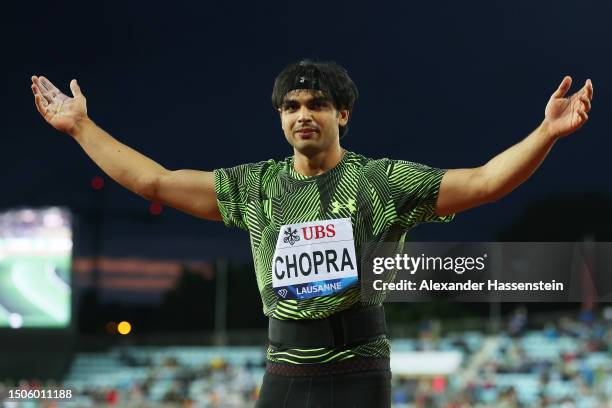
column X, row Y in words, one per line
column 59, row 110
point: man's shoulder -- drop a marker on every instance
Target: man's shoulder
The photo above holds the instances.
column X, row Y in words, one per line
column 360, row 160
column 366, row 163
column 264, row 166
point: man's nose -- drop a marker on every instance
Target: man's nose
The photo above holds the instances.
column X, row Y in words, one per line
column 304, row 114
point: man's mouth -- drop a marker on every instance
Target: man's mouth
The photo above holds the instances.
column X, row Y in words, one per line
column 306, row 133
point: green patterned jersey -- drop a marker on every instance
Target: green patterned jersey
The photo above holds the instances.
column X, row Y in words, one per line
column 380, row 199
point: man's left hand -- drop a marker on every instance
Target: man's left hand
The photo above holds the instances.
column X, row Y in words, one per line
column 564, row 115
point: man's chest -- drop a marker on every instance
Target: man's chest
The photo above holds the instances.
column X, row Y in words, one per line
column 313, row 201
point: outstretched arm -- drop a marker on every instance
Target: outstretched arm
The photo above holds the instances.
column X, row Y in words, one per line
column 190, row 191
column 462, row 189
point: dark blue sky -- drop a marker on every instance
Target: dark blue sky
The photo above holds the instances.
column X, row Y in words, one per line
column 447, row 83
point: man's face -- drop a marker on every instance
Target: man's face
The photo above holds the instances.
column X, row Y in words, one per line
column 310, row 121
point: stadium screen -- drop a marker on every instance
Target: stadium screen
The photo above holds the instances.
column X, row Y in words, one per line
column 35, row 264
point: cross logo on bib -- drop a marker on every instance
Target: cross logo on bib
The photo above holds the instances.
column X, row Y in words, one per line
column 291, row 236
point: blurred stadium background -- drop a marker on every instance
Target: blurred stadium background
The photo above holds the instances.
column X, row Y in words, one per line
column 196, row 343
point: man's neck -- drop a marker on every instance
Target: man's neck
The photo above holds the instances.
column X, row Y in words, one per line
column 319, row 163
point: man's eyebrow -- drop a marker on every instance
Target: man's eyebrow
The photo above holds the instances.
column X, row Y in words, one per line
column 316, row 99
column 320, row 99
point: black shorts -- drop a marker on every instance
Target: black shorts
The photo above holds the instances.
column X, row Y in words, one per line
column 368, row 389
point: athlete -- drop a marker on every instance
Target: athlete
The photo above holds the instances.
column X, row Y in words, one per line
column 309, row 216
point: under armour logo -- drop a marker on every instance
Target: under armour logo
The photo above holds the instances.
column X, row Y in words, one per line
column 291, row 236
column 350, row 205
column 283, row 292
column 302, row 80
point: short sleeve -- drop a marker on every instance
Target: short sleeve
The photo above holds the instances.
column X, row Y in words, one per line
column 414, row 191
column 232, row 186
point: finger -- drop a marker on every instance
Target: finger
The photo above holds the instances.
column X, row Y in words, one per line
column 588, row 89
column 563, row 87
column 586, row 102
column 583, row 115
column 48, row 85
column 43, row 101
column 46, row 93
column 53, row 91
column 37, row 91
column 43, row 88
column 39, row 101
column 75, row 88
column 47, row 97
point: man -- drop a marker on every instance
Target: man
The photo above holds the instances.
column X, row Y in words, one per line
column 308, row 217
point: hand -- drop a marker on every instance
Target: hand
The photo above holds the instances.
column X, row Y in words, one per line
column 60, row 111
column 566, row 115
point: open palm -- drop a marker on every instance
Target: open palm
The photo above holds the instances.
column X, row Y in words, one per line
column 566, row 115
column 59, row 110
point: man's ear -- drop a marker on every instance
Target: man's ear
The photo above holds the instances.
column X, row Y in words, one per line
column 343, row 117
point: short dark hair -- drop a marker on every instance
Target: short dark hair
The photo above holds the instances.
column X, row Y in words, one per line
column 328, row 77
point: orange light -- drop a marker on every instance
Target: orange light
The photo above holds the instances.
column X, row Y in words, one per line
column 124, row 328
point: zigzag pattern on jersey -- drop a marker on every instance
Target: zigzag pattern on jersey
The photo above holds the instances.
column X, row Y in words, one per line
column 316, row 308
column 383, row 208
column 227, row 183
column 256, row 219
column 262, row 256
column 390, row 197
column 379, row 348
column 419, row 204
column 309, row 356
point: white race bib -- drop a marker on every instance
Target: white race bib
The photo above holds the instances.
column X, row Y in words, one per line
column 314, row 259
